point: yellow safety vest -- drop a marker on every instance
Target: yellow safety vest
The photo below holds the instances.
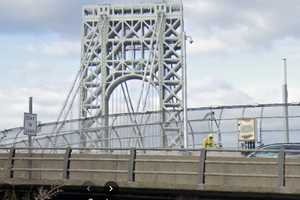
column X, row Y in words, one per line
column 208, row 143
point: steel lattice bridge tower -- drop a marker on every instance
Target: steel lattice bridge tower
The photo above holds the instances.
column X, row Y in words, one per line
column 130, row 87
column 133, row 42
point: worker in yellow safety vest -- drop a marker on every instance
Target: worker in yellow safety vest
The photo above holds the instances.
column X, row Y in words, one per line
column 208, row 142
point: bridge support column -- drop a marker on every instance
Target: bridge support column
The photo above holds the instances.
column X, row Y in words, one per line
column 104, row 83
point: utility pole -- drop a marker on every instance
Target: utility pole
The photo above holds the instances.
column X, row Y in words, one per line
column 285, row 100
column 185, row 120
column 30, row 129
column 30, row 142
column 185, row 106
column 29, row 135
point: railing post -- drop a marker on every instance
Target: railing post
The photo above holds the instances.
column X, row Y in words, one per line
column 66, row 172
column 11, row 162
column 281, row 168
column 131, row 165
column 202, row 159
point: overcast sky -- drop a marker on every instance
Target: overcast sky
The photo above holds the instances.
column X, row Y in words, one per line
column 235, row 57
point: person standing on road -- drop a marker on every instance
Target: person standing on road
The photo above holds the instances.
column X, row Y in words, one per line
column 208, row 142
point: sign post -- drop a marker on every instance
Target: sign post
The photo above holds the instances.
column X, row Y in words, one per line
column 30, row 129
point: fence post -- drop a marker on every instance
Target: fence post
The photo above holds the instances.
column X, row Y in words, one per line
column 131, row 165
column 11, row 162
column 202, row 159
column 281, row 168
column 66, row 172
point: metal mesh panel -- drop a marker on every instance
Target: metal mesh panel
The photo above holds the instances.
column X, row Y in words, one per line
column 221, row 121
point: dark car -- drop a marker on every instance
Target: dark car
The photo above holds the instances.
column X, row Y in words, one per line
column 275, row 148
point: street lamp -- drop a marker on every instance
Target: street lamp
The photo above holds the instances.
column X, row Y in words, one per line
column 285, row 100
column 187, row 37
column 185, row 115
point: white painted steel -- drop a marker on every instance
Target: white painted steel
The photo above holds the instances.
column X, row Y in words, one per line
column 125, row 42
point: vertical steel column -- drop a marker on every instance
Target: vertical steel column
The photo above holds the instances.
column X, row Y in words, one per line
column 220, row 144
column 285, row 101
column 29, row 135
column 261, row 125
column 104, row 74
column 160, row 43
column 83, row 91
column 281, row 168
column 30, row 143
column 185, row 114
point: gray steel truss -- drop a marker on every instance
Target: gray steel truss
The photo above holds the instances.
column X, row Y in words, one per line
column 125, row 42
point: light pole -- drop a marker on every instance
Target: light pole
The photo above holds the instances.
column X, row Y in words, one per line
column 30, row 141
column 285, row 100
column 185, row 115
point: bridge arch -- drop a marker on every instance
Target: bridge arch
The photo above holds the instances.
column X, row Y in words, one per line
column 124, row 79
column 133, row 101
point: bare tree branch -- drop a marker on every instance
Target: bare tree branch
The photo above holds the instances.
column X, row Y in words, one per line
column 47, row 194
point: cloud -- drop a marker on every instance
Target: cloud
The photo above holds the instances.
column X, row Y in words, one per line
column 212, row 91
column 253, row 21
column 37, row 17
column 29, row 16
column 236, row 24
column 243, row 25
column 56, row 48
column 14, row 102
column 271, row 94
column 264, row 94
column 208, row 45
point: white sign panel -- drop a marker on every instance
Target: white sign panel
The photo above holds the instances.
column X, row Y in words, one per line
column 30, row 124
column 247, row 129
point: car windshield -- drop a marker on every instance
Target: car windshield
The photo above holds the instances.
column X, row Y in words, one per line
column 265, row 154
column 293, row 147
column 277, row 147
column 268, row 154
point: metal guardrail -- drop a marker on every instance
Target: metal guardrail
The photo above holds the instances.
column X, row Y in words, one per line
column 133, row 159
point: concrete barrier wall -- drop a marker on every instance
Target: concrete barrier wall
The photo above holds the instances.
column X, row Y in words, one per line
column 102, row 167
column 153, row 169
column 250, row 172
column 292, row 173
column 45, row 166
column 3, row 164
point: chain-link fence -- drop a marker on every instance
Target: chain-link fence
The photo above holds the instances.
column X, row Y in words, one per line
column 222, row 121
column 145, row 130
